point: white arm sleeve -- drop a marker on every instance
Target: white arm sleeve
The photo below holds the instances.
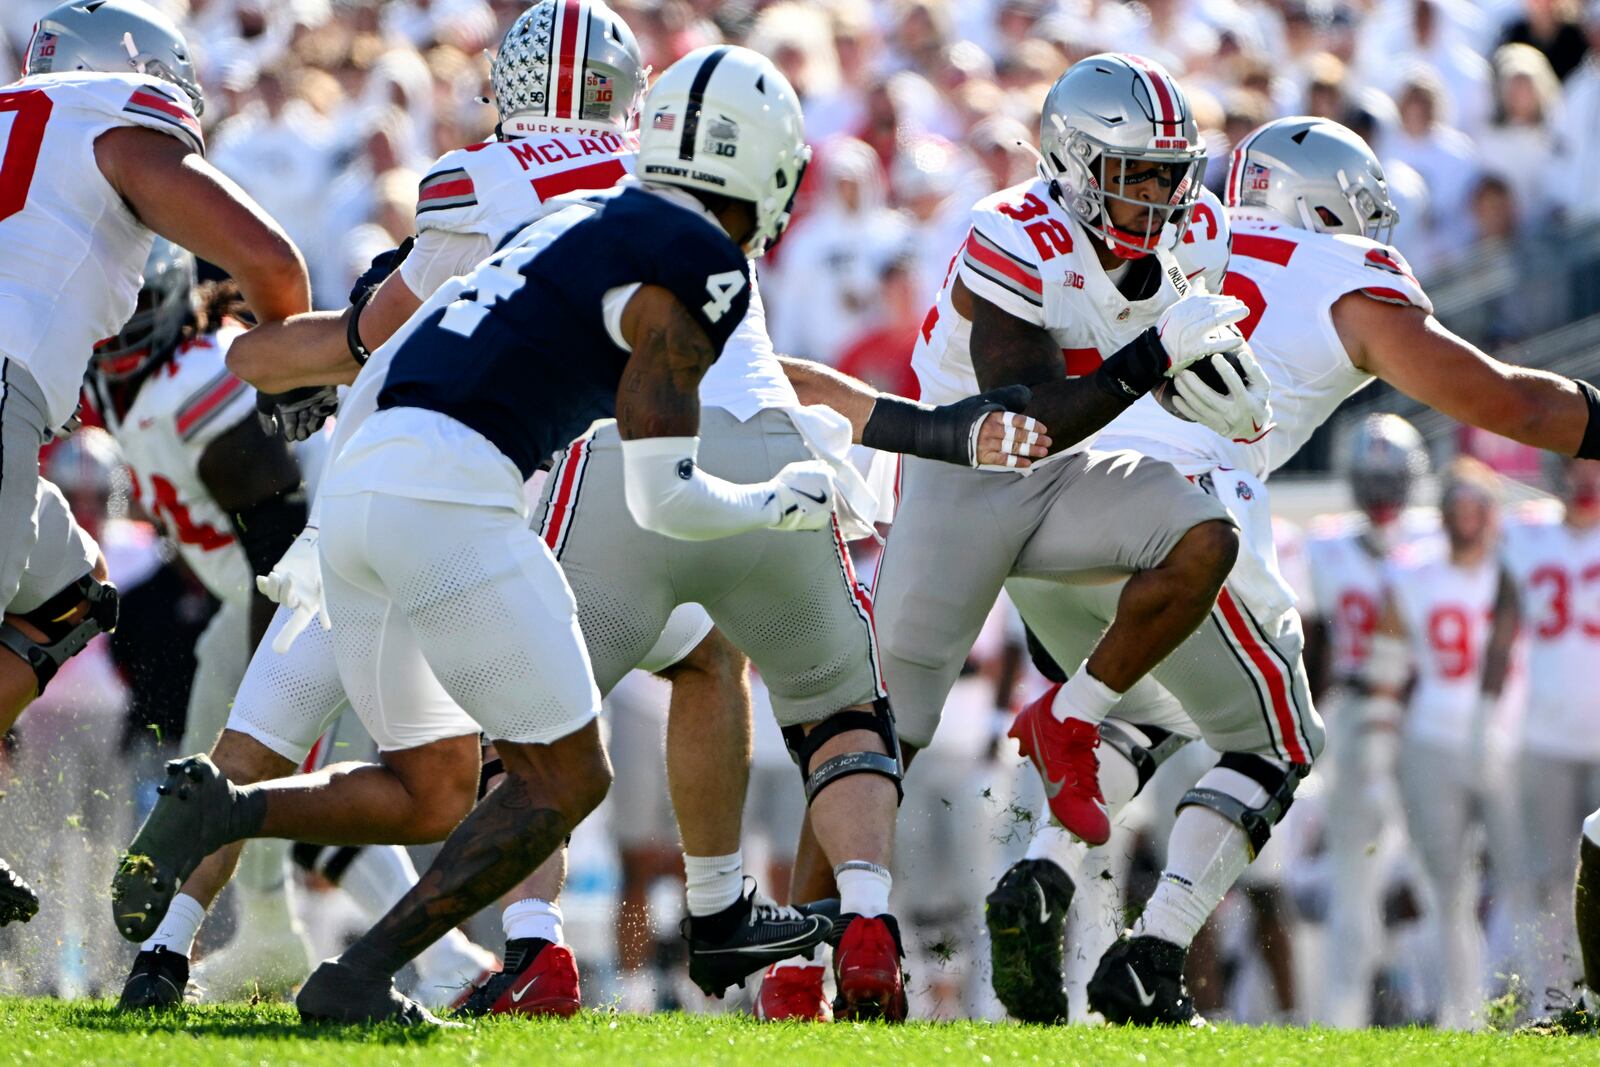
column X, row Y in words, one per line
column 440, row 255
column 669, row 494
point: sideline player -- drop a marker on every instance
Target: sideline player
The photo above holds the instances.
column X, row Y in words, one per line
column 1554, row 565
column 1331, row 309
column 1440, row 616
column 1386, row 459
column 102, row 147
column 230, row 498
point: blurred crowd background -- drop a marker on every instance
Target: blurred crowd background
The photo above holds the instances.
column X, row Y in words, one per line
column 1486, row 116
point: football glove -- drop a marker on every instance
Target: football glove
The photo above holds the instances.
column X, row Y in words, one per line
column 383, row 264
column 1197, row 326
column 1243, row 413
column 299, row 413
column 803, row 496
column 295, row 582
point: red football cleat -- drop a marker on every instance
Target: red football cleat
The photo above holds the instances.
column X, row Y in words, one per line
column 866, row 969
column 545, row 983
column 1063, row 751
column 793, row 993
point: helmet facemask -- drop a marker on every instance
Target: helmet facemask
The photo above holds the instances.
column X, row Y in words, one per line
column 1086, row 177
column 771, row 219
column 1369, row 217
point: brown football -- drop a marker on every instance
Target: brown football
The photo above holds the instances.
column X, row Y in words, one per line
column 1165, row 390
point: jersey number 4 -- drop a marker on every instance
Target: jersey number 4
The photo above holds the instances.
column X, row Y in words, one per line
column 722, row 288
column 30, row 110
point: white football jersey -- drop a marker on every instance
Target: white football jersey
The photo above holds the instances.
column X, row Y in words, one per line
column 1027, row 255
column 1348, row 583
column 1557, row 574
column 1447, row 611
column 70, row 274
column 475, row 197
column 183, row 406
column 1290, row 279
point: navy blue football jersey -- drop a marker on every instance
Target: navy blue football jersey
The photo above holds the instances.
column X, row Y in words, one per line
column 518, row 350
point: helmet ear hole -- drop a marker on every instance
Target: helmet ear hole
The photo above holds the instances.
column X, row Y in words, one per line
column 1329, row 218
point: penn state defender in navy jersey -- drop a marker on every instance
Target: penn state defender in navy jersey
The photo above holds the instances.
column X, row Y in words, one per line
column 521, row 352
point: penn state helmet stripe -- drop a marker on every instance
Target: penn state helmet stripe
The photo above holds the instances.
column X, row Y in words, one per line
column 697, row 95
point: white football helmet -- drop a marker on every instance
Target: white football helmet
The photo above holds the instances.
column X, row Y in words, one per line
column 112, row 36
column 724, row 120
column 1115, row 106
column 1313, row 174
column 568, row 62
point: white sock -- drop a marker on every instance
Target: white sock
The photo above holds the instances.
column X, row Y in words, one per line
column 532, row 918
column 1084, row 697
column 713, row 882
column 1060, row 847
column 263, row 866
column 863, row 888
column 378, row 877
column 1205, row 856
column 179, row 928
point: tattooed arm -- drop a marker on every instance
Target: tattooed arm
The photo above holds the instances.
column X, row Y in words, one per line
column 1008, row 351
column 658, row 416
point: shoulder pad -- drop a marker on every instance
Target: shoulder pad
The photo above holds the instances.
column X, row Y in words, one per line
column 1011, row 231
column 153, row 103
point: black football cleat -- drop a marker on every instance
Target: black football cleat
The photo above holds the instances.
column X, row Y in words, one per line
column 337, row 994
column 747, row 936
column 159, row 979
column 188, row 823
column 1027, row 916
column 1140, row 982
column 18, row 901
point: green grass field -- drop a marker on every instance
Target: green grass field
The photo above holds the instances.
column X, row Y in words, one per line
column 39, row 1032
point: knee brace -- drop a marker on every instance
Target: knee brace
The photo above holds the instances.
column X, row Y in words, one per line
column 1146, row 755
column 803, row 748
column 63, row 640
column 1277, row 780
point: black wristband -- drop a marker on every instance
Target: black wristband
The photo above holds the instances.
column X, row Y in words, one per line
column 1590, row 448
column 892, row 426
column 352, row 328
column 1135, row 368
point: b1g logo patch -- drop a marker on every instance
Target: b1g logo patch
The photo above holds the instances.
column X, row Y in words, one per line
column 44, row 51
column 1257, row 179
column 597, row 97
column 722, row 137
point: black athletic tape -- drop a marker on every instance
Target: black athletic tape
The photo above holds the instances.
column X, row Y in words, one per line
column 1134, row 369
column 1590, row 448
column 697, row 96
column 942, row 433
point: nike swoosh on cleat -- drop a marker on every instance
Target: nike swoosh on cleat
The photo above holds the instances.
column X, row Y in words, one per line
column 763, row 947
column 135, row 915
column 1146, row 999
column 1052, row 786
column 1044, row 908
column 518, row 994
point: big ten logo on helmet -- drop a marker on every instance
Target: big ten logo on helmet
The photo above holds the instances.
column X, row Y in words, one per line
column 722, row 137
column 597, row 96
column 46, row 46
column 1257, row 178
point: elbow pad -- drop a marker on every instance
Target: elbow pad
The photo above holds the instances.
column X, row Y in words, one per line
column 669, row 494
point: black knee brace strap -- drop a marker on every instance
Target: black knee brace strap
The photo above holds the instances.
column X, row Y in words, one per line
column 1146, row 758
column 1257, row 823
column 63, row 639
column 803, row 748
